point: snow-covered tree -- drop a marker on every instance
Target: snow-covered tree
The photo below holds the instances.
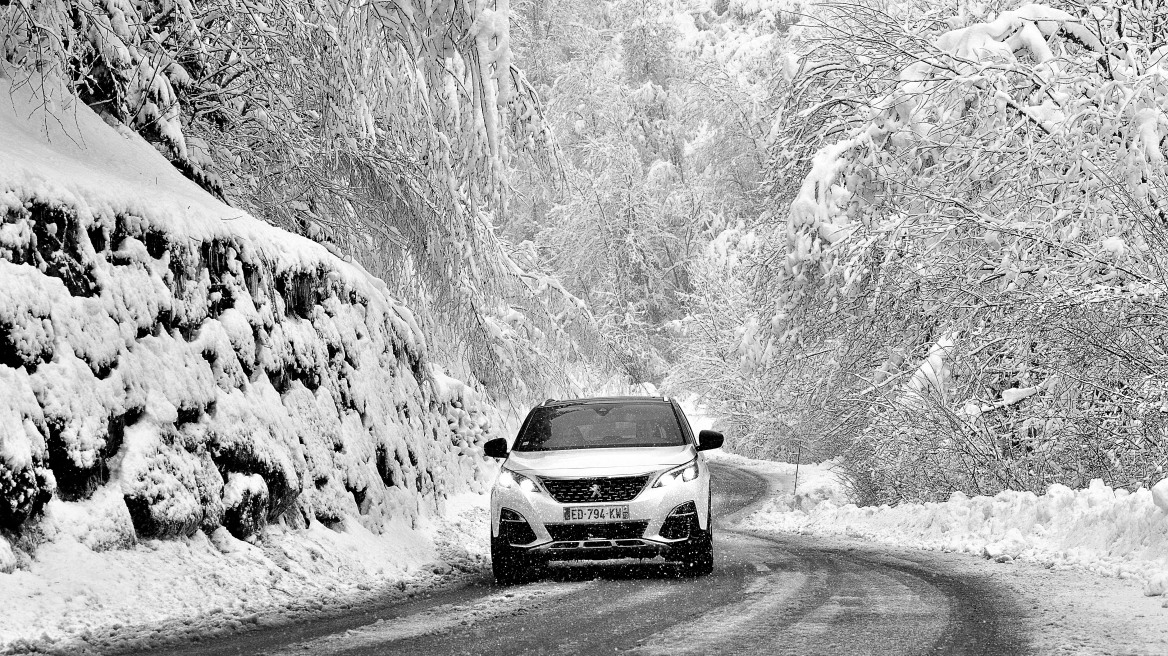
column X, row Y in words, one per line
column 972, row 259
column 655, row 108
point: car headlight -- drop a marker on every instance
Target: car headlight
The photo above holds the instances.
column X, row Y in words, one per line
column 510, row 479
column 686, row 473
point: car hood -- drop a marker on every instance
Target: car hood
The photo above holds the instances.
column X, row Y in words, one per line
column 600, row 462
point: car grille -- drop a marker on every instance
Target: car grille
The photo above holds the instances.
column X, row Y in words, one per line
column 605, row 531
column 595, row 490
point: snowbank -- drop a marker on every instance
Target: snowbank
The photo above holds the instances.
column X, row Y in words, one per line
column 177, row 377
column 1110, row 532
column 74, row 600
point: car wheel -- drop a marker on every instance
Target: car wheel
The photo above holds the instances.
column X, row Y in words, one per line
column 511, row 565
column 697, row 558
column 697, row 553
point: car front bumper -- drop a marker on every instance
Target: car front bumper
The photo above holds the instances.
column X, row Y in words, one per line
column 649, row 530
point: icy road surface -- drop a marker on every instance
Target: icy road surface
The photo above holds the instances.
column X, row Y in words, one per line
column 767, row 595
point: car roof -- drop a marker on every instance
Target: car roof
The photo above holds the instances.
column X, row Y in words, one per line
column 606, row 399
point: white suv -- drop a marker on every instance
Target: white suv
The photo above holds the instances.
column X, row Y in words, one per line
column 600, row 478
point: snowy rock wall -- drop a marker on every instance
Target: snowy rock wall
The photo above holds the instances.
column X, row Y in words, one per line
column 168, row 365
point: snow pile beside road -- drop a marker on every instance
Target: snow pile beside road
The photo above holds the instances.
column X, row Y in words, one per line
column 178, row 379
column 74, row 600
column 1099, row 529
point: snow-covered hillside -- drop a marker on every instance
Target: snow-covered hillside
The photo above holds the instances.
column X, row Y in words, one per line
column 173, row 368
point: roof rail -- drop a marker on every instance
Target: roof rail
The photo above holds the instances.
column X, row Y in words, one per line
column 547, row 401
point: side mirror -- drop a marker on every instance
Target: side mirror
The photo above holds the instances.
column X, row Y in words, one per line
column 497, row 448
column 707, row 440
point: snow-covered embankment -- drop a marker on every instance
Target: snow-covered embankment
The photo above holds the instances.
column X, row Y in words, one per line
column 177, row 378
column 1108, row 531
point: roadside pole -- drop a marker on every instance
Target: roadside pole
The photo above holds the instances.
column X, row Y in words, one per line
column 798, row 457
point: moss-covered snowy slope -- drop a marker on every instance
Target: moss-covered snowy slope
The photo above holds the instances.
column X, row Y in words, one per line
column 169, row 364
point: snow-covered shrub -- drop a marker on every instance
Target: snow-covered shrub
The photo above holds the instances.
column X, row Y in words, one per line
column 101, row 522
column 245, row 498
column 7, row 558
column 78, row 409
column 26, row 482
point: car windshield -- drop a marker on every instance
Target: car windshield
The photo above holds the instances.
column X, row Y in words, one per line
column 600, row 425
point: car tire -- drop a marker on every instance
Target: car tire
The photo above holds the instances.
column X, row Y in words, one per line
column 697, row 557
column 510, row 565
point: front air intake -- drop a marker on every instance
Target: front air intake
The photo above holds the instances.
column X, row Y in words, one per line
column 677, row 525
column 514, row 529
column 605, row 531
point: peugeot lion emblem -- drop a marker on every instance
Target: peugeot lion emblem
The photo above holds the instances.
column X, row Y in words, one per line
column 595, row 490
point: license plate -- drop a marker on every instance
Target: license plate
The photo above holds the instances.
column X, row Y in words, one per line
column 596, row 513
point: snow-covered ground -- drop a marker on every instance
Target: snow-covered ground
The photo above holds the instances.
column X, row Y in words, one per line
column 71, row 599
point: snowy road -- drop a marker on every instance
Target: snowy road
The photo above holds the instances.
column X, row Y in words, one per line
column 767, row 595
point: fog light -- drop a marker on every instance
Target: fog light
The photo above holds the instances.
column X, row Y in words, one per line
column 514, row 529
column 678, row 524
